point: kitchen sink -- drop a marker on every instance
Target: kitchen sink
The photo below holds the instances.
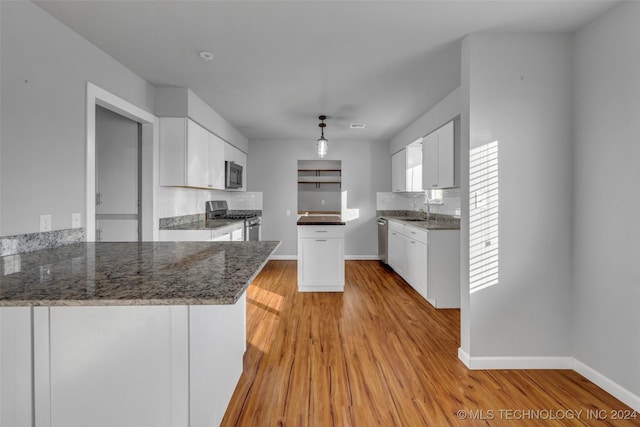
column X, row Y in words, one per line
column 414, row 219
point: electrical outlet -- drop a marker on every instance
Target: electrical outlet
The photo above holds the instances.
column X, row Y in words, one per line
column 322, row 202
column 288, row 212
column 45, row 222
column 76, row 220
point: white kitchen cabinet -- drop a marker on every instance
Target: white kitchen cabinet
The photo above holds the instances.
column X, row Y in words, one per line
column 87, row 365
column 439, row 150
column 398, row 167
column 321, row 258
column 429, row 260
column 396, row 247
column 216, row 161
column 416, row 268
column 190, row 155
column 232, row 154
column 406, row 169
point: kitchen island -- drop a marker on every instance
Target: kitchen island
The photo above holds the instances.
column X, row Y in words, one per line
column 118, row 334
column 320, row 253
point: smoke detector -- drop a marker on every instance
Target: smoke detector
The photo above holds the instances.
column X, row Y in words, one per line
column 357, row 125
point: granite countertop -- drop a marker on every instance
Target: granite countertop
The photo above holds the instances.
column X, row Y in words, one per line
column 438, row 223
column 211, row 224
column 148, row 273
column 321, row 220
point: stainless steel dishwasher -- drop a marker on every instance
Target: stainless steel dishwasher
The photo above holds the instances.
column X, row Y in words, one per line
column 383, row 239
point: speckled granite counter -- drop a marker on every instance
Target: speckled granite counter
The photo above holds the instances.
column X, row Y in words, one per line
column 438, row 223
column 204, row 225
column 320, row 220
column 153, row 273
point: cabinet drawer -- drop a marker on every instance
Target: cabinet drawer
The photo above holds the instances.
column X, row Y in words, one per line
column 417, row 234
column 320, row 231
column 396, row 226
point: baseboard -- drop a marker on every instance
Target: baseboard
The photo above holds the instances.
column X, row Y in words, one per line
column 283, row 257
column 541, row 362
column 362, row 257
column 347, row 257
column 608, row 385
column 611, row 387
column 464, row 357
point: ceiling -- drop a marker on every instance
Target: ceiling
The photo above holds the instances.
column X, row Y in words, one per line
column 279, row 64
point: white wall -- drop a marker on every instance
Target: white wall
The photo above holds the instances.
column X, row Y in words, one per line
column 519, row 93
column 45, row 67
column 606, row 287
column 366, row 169
column 444, row 111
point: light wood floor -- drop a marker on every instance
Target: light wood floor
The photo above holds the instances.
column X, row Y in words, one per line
column 380, row 355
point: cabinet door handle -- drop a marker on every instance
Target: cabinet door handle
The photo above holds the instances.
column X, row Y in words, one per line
column 323, row 240
column 321, row 231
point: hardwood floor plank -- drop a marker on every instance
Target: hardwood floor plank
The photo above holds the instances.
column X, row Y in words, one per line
column 379, row 354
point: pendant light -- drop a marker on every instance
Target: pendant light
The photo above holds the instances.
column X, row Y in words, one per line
column 323, row 145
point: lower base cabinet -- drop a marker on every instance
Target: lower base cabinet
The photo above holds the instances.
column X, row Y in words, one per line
column 321, row 258
column 429, row 260
column 114, row 366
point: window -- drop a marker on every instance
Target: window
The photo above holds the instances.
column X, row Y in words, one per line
column 483, row 216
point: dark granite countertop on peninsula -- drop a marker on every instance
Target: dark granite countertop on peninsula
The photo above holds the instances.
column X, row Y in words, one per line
column 148, row 273
column 320, row 220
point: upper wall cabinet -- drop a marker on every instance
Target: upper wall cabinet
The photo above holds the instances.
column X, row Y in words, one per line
column 232, row 154
column 406, row 169
column 439, row 153
column 190, row 155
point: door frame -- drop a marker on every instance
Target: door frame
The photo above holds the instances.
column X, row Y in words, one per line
column 149, row 165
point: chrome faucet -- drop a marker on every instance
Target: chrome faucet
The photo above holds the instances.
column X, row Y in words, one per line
column 427, row 204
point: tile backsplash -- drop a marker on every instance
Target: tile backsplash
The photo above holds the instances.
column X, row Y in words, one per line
column 178, row 201
column 414, row 201
column 23, row 243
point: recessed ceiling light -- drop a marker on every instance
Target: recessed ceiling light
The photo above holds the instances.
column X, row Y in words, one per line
column 357, row 125
column 207, row 56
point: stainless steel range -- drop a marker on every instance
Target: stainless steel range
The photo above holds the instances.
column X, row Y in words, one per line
column 218, row 209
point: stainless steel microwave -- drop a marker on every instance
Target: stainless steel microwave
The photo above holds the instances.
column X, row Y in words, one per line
column 232, row 175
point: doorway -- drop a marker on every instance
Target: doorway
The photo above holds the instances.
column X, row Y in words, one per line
column 148, row 160
column 118, row 189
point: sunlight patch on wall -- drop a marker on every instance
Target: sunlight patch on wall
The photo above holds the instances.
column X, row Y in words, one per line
column 483, row 217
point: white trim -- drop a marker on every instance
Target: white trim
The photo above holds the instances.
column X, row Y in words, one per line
column 464, row 357
column 41, row 366
column 608, row 385
column 362, row 257
column 602, row 381
column 347, row 257
column 150, row 159
column 540, row 362
column 283, row 257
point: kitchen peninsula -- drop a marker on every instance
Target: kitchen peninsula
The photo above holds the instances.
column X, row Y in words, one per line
column 320, row 253
column 113, row 334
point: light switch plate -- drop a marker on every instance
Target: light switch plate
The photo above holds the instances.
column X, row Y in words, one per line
column 76, row 220
column 45, row 222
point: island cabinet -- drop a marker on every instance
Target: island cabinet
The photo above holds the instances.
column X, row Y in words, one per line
column 190, row 155
column 321, row 258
